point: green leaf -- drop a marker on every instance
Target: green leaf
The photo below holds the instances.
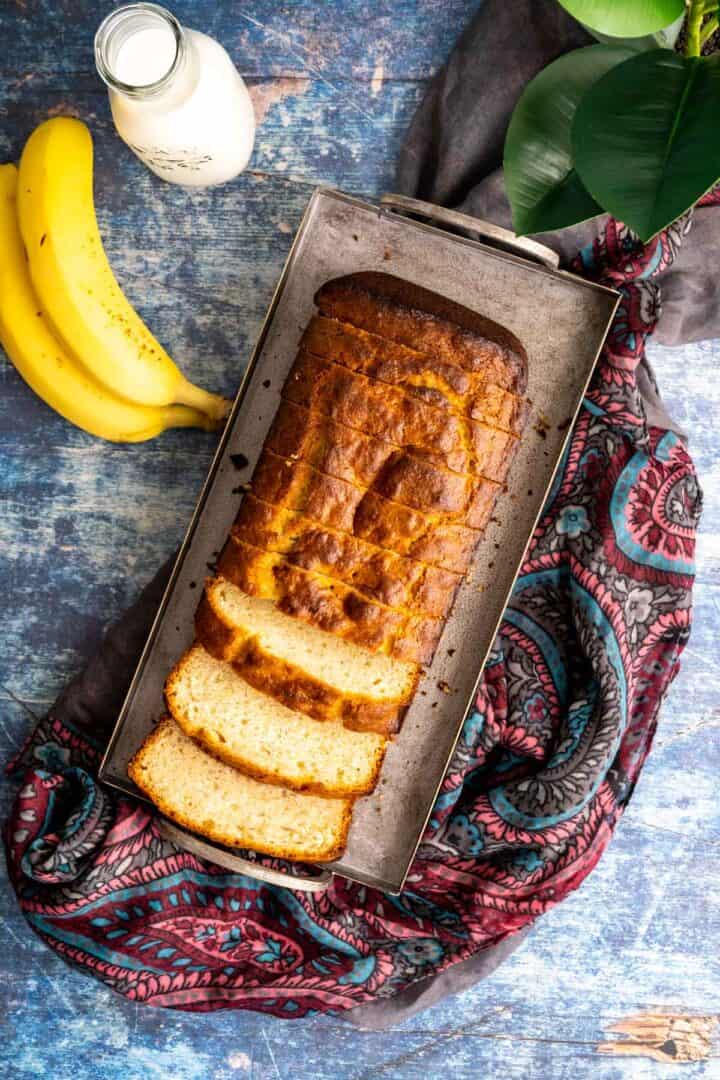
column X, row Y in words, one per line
column 645, row 139
column 625, row 18
column 544, row 189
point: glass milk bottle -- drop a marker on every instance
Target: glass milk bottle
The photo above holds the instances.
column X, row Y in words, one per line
column 177, row 99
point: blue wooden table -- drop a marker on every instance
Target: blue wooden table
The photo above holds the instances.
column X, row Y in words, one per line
column 84, row 524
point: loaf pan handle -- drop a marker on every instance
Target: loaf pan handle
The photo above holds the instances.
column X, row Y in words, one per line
column 186, row 840
column 475, row 228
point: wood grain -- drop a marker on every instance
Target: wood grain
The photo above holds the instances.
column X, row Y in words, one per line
column 667, row 1037
column 84, row 525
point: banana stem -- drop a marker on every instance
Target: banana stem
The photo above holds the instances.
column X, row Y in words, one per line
column 216, row 406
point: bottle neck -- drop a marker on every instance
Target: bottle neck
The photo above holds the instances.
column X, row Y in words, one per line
column 141, row 51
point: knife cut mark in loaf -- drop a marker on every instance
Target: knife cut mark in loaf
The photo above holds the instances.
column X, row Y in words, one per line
column 329, row 604
column 428, row 378
column 250, row 730
column 194, row 789
column 363, row 513
column 410, row 478
column 389, row 413
column 382, row 575
column 304, row 668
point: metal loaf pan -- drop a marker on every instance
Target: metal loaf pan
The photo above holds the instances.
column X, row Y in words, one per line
column 562, row 321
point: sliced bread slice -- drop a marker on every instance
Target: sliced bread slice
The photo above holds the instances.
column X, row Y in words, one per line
column 255, row 733
column 194, row 789
column 304, row 668
column 363, row 513
column 426, row 377
column 329, row 604
column 402, row 474
column 387, row 412
column 392, row 579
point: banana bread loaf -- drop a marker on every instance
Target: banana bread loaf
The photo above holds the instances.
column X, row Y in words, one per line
column 396, row 430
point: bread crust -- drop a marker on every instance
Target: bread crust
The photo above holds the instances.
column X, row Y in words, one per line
column 208, row 829
column 393, row 580
column 329, row 605
column 420, row 319
column 209, row 740
column 363, row 513
column 288, row 683
column 428, row 378
column 408, row 477
column 388, row 413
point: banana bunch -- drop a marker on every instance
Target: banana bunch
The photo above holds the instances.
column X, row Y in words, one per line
column 64, row 321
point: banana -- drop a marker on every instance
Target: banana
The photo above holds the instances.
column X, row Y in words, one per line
column 47, row 366
column 74, row 281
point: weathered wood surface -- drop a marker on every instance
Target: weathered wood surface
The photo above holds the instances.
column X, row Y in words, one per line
column 84, row 524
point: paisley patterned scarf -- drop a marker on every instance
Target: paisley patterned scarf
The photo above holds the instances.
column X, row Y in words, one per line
column 544, row 768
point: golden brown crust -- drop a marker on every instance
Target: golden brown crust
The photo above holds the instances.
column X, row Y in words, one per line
column 363, row 513
column 392, row 579
column 394, row 473
column 290, row 685
column 217, row 637
column 219, row 749
column 424, row 320
column 428, row 378
column 136, row 774
column 390, row 414
column 329, row 604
